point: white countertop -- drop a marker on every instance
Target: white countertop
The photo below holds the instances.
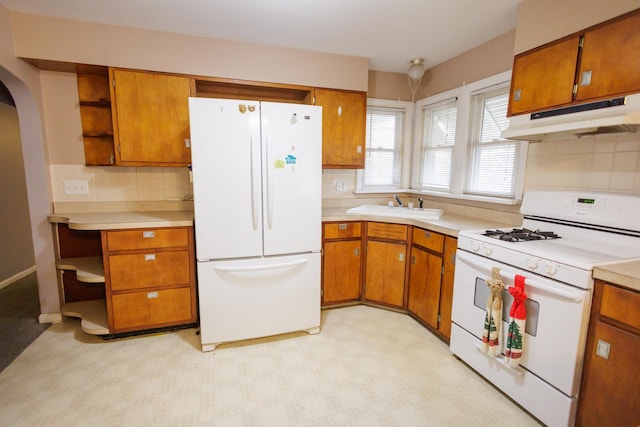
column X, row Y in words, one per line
column 123, row 220
column 449, row 224
column 625, row 274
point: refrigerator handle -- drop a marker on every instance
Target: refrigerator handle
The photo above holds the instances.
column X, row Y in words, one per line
column 260, row 267
column 255, row 184
column 269, row 178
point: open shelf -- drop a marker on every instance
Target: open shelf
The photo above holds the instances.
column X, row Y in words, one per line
column 88, row 269
column 93, row 314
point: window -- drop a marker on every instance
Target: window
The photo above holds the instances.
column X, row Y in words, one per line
column 493, row 160
column 439, row 138
column 388, row 127
column 458, row 151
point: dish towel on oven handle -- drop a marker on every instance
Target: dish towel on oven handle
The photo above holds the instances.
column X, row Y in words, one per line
column 492, row 332
column 518, row 315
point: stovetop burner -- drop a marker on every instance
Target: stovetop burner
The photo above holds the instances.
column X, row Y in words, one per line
column 521, row 235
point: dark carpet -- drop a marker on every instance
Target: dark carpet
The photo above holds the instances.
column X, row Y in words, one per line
column 19, row 311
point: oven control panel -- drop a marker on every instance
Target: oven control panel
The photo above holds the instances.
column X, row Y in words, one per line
column 611, row 210
column 586, row 203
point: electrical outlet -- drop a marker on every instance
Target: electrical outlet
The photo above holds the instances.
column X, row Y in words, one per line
column 72, row 188
column 341, row 185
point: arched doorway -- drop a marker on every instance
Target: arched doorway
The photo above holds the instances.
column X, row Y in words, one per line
column 36, row 177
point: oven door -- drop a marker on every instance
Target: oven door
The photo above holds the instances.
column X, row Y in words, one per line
column 557, row 318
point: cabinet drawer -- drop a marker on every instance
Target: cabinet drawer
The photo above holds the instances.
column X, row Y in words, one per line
column 428, row 239
column 152, row 269
column 138, row 310
column 621, row 305
column 147, row 238
column 387, row 231
column 342, row 230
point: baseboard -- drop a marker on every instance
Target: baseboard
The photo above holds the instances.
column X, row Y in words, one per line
column 17, row 277
column 50, row 318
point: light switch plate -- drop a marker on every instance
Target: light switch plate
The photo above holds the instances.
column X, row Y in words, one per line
column 76, row 187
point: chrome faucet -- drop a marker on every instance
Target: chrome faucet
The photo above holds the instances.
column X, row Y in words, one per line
column 395, row 196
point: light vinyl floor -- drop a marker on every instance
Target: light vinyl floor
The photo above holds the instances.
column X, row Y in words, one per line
column 367, row 367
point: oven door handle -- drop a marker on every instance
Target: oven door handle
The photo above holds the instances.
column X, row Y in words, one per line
column 569, row 295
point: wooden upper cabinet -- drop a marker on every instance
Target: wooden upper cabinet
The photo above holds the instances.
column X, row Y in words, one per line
column 150, row 118
column 94, row 100
column 610, row 63
column 544, row 77
column 343, row 128
column 598, row 63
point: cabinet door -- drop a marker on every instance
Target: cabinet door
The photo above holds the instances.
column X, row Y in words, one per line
column 610, row 395
column 446, row 290
column 341, row 271
column 384, row 276
column 544, row 78
column 343, row 128
column 151, row 118
column 610, row 63
column 424, row 285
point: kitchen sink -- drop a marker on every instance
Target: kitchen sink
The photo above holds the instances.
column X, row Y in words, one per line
column 397, row 211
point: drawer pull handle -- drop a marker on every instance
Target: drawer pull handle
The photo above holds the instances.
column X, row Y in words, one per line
column 149, row 257
column 148, row 234
column 152, row 295
column 427, row 234
column 342, row 226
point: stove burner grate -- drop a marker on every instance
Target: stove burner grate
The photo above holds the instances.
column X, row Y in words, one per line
column 521, row 235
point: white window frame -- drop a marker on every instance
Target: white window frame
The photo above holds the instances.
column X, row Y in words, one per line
column 462, row 146
column 476, row 146
column 407, row 133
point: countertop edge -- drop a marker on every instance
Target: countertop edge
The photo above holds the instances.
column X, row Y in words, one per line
column 449, row 224
column 122, row 220
column 625, row 274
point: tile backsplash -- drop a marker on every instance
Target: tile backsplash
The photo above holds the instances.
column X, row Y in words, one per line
column 122, row 184
column 600, row 163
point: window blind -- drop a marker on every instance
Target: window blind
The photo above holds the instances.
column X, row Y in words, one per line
column 383, row 158
column 492, row 169
column 439, row 134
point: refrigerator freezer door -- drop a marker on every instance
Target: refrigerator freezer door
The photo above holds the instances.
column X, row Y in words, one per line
column 245, row 299
column 292, row 177
column 225, row 148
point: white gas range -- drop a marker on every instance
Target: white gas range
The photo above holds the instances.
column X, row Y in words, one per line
column 564, row 235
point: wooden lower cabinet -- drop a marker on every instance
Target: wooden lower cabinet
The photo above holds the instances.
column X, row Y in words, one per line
column 431, row 272
column 386, row 260
column 341, row 262
column 149, row 278
column 609, row 392
column 446, row 287
column 403, row 267
column 424, row 285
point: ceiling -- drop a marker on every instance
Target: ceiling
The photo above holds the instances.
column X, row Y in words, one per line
column 387, row 32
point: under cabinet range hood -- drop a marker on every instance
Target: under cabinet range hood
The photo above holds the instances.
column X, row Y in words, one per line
column 618, row 115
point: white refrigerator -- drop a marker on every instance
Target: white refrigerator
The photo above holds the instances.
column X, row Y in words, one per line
column 257, row 183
